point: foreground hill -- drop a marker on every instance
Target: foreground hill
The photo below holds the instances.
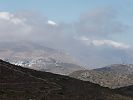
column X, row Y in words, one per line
column 128, row 90
column 114, row 76
column 18, row 83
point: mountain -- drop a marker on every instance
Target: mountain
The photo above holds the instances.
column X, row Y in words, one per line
column 117, row 69
column 38, row 57
column 19, row 83
column 114, row 76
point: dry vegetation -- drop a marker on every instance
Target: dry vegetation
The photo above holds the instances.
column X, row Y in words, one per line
column 17, row 83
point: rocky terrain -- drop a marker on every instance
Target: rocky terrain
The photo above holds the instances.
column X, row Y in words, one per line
column 114, row 76
column 18, row 83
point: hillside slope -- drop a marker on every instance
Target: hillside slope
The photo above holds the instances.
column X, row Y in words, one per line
column 18, row 83
column 113, row 76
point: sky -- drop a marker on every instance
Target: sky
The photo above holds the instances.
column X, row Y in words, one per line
column 60, row 9
column 95, row 32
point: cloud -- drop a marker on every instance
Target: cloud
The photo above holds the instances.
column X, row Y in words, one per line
column 10, row 17
column 93, row 29
column 5, row 15
column 13, row 28
column 100, row 22
column 108, row 43
column 50, row 22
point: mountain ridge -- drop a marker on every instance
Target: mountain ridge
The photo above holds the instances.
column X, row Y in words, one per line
column 39, row 57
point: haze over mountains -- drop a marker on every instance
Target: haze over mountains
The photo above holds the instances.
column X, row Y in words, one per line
column 89, row 39
column 39, row 57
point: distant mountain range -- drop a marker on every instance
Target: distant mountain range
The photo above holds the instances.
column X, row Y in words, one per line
column 19, row 83
column 39, row 57
column 113, row 76
column 117, row 69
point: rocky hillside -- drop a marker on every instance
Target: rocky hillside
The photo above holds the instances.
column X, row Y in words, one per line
column 49, row 65
column 18, row 83
column 113, row 76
